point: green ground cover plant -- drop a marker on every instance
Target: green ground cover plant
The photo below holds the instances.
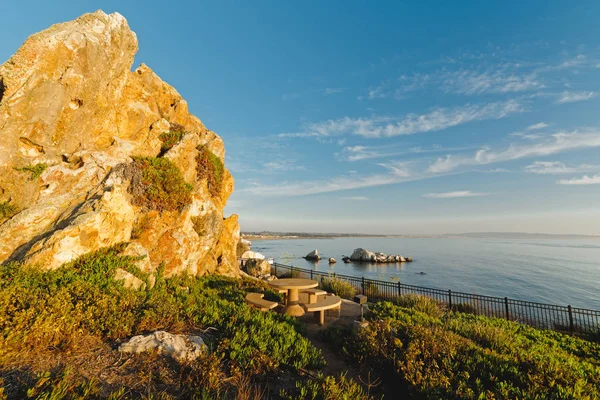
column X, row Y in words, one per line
column 433, row 354
column 327, row 388
column 157, row 184
column 35, row 171
column 211, row 168
column 59, row 331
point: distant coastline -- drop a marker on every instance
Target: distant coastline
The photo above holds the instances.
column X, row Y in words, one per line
column 267, row 235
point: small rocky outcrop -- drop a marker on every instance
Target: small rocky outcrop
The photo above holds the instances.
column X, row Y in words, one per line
column 93, row 154
column 257, row 267
column 183, row 348
column 313, row 255
column 364, row 255
column 332, row 260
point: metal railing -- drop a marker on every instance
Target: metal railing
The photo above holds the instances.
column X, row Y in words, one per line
column 539, row 315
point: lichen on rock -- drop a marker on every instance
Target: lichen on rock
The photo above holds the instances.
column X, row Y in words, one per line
column 94, row 156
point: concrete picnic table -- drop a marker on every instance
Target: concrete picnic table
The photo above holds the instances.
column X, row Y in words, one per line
column 293, row 285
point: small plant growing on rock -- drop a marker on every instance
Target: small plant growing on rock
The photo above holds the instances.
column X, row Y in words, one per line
column 7, row 210
column 210, row 167
column 35, row 170
column 157, row 184
column 171, row 138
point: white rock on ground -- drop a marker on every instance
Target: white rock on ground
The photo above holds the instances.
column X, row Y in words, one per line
column 183, row 348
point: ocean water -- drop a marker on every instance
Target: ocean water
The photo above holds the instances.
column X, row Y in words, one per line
column 552, row 271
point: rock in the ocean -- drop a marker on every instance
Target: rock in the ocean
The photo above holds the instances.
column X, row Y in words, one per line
column 183, row 348
column 73, row 115
column 332, row 260
column 257, row 267
column 363, row 255
column 313, row 255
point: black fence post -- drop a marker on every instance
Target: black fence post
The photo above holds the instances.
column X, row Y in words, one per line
column 399, row 289
column 506, row 308
column 571, row 327
column 363, row 285
column 311, row 274
column 450, row 299
column 275, row 269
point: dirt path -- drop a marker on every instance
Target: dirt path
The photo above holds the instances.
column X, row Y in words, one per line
column 336, row 364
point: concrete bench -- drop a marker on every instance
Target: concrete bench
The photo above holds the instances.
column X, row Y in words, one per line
column 313, row 294
column 328, row 303
column 256, row 300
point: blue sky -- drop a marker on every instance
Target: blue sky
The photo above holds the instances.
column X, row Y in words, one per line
column 409, row 118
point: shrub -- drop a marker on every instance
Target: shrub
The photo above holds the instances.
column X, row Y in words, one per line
column 423, row 304
column 55, row 314
column 211, row 168
column 7, row 210
column 35, row 170
column 463, row 356
column 171, row 138
column 339, row 287
column 157, row 184
column 370, row 289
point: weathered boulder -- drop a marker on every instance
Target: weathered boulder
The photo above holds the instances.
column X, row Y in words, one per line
column 257, row 267
column 183, row 348
column 129, row 280
column 313, row 255
column 72, row 118
column 363, row 255
column 252, row 254
column 332, row 260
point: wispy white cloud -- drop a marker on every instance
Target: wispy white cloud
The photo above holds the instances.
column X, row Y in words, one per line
column 527, row 133
column 436, row 120
column 555, row 167
column 361, row 152
column 572, row 97
column 585, row 180
column 330, row 91
column 472, row 82
column 454, row 195
column 283, row 165
column 556, row 143
column 538, row 126
column 323, row 186
column 355, row 198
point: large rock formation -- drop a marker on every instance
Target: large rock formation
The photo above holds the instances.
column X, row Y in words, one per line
column 72, row 118
column 364, row 255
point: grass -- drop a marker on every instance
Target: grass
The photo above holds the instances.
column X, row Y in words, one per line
column 7, row 210
column 159, row 185
column 59, row 330
column 211, row 168
column 430, row 354
column 35, row 171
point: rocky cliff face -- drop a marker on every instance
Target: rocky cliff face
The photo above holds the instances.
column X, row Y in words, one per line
column 93, row 154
